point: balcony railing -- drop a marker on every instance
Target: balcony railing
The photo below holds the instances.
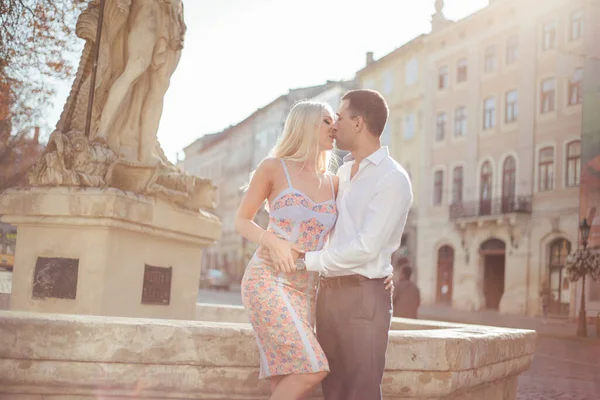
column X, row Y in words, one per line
column 491, row 207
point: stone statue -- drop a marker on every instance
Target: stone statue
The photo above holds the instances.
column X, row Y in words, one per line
column 153, row 50
column 139, row 50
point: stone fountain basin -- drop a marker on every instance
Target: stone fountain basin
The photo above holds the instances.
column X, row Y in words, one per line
column 61, row 356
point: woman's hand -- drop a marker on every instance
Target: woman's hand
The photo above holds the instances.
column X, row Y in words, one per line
column 280, row 253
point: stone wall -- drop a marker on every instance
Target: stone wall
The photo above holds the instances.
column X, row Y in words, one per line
column 59, row 357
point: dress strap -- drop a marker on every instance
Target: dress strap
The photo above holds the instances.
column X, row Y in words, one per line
column 332, row 187
column 287, row 174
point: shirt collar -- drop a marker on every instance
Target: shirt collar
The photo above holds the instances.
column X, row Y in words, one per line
column 376, row 157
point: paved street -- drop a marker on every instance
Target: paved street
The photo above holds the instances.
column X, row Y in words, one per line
column 213, row 296
column 563, row 369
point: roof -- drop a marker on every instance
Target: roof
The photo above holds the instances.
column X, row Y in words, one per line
column 292, row 95
column 403, row 48
column 207, row 139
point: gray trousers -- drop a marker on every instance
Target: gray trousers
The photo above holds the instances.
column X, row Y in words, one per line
column 353, row 321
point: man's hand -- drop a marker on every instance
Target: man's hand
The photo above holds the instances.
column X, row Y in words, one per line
column 389, row 284
column 265, row 254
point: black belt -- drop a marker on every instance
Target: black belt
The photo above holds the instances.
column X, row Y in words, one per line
column 345, row 281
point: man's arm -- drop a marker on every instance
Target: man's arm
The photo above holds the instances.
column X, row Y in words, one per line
column 386, row 209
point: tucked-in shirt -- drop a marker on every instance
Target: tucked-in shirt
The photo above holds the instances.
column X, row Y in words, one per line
column 373, row 207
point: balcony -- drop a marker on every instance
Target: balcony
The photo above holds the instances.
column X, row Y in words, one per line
column 491, row 207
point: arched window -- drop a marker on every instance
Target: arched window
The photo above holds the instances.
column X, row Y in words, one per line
column 546, row 169
column 485, row 189
column 509, row 181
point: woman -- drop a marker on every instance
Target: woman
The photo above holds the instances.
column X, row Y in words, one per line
column 301, row 201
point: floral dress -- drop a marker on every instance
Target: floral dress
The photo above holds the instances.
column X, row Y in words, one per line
column 281, row 306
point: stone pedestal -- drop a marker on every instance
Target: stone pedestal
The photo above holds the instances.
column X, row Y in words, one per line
column 88, row 357
column 105, row 252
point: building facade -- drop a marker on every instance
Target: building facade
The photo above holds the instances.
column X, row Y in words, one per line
column 589, row 206
column 399, row 77
column 206, row 157
column 498, row 205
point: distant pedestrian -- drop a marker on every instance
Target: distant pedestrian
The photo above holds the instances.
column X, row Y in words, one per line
column 407, row 297
column 545, row 297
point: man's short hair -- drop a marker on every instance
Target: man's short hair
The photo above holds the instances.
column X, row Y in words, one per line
column 371, row 106
column 407, row 271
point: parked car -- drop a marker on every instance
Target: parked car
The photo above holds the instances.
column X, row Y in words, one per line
column 215, row 278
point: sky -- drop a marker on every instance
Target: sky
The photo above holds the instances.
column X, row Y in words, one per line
column 239, row 55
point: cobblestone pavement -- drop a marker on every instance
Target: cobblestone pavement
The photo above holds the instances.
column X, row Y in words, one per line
column 563, row 369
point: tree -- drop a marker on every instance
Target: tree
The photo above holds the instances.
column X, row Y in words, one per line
column 17, row 154
column 35, row 36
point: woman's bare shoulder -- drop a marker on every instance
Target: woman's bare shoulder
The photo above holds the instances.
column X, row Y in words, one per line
column 269, row 164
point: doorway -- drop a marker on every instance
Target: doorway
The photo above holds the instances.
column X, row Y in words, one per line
column 445, row 275
column 494, row 259
column 493, row 278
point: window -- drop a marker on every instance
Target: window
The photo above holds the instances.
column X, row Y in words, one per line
column 512, row 50
column 411, row 72
column 460, row 121
column 461, row 70
column 438, row 187
column 409, row 126
column 490, row 59
column 546, row 169
column 512, row 106
column 443, row 78
column 440, row 127
column 575, row 93
column 576, row 31
column 457, row 185
column 388, row 82
column 369, row 84
column 485, row 189
column 573, row 163
column 549, row 40
column 489, row 113
column 547, row 102
column 509, row 182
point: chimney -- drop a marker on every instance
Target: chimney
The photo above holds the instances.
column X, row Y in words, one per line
column 36, row 135
column 369, row 57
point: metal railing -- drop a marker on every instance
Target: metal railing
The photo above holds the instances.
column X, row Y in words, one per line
column 491, row 207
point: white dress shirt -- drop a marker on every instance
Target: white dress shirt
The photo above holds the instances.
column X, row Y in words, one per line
column 372, row 212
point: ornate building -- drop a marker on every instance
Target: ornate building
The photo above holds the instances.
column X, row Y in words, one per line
column 499, row 195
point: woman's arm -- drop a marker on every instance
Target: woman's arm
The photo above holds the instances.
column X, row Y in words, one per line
column 259, row 190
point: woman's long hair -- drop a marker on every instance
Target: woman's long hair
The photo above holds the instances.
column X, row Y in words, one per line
column 300, row 138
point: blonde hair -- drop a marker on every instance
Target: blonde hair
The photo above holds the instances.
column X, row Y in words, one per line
column 300, row 137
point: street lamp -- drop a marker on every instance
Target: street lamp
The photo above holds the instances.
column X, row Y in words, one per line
column 584, row 228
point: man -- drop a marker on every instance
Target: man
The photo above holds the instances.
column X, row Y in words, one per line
column 407, row 297
column 354, row 308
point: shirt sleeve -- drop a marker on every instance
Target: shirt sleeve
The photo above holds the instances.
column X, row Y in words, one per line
column 389, row 205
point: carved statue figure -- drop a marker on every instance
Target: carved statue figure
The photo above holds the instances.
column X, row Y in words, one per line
column 140, row 47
